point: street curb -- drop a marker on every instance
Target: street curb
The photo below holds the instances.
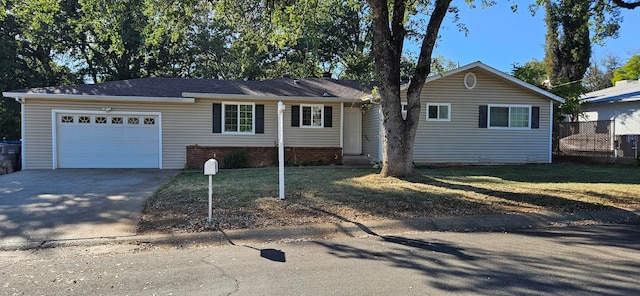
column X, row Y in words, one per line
column 477, row 223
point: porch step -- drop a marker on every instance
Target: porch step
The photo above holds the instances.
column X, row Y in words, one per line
column 356, row 160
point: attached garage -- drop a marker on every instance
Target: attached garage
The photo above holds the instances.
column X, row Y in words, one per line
column 85, row 139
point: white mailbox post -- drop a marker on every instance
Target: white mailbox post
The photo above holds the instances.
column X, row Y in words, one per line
column 210, row 169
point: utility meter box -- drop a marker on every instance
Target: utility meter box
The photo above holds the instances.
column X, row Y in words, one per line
column 211, row 167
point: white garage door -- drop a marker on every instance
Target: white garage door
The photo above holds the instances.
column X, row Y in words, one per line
column 107, row 140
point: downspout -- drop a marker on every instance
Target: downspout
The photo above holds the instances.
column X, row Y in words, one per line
column 342, row 128
column 613, row 139
column 380, row 146
column 551, row 125
column 21, row 101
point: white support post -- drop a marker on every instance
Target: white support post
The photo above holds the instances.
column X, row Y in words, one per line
column 210, row 198
column 281, row 147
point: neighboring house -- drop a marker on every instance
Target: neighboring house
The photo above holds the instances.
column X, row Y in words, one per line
column 610, row 125
column 620, row 104
column 474, row 114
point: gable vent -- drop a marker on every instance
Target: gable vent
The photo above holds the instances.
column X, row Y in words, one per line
column 470, row 80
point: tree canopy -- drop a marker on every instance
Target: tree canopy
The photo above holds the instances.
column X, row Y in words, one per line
column 114, row 40
column 629, row 71
column 533, row 72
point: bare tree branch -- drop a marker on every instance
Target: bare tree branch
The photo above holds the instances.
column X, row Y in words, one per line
column 625, row 4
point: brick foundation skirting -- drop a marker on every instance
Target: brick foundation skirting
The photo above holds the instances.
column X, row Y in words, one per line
column 264, row 156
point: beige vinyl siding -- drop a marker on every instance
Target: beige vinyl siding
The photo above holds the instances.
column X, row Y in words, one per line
column 371, row 132
column 462, row 141
column 307, row 136
column 37, row 139
column 183, row 124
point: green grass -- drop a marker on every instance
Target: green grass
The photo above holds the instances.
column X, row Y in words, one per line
column 248, row 198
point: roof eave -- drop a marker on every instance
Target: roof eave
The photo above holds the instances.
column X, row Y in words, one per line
column 603, row 101
column 266, row 97
column 102, row 98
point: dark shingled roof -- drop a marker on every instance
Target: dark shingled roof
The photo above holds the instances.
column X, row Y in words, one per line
column 174, row 87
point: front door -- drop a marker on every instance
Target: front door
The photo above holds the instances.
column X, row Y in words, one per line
column 352, row 131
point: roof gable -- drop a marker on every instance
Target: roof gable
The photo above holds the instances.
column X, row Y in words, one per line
column 498, row 74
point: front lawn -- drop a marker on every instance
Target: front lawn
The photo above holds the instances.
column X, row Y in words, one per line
column 248, row 198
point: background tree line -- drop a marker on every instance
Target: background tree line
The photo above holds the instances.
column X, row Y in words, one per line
column 62, row 42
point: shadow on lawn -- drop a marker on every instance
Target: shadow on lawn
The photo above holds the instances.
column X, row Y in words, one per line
column 541, row 173
column 545, row 201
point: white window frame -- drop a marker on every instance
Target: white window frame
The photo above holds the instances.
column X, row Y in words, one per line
column 509, row 106
column 237, row 104
column 448, row 105
column 404, row 108
column 311, row 119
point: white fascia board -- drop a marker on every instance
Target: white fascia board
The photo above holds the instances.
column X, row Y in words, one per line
column 98, row 98
column 267, row 98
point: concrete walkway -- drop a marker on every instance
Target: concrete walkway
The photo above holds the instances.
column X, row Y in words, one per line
column 38, row 206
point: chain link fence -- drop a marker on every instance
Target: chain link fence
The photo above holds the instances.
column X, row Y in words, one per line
column 594, row 139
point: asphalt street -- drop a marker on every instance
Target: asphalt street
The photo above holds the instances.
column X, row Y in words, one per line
column 576, row 260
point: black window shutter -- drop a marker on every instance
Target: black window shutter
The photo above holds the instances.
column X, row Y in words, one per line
column 259, row 119
column 535, row 117
column 328, row 116
column 295, row 115
column 217, row 118
column 482, row 115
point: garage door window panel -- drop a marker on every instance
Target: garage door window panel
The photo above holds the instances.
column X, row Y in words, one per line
column 101, row 120
column 116, row 120
column 67, row 119
column 133, row 120
column 84, row 119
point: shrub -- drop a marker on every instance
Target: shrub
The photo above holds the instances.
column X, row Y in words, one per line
column 236, row 159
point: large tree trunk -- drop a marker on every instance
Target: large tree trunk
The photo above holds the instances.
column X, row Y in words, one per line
column 398, row 134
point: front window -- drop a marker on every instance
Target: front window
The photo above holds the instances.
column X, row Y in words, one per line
column 312, row 115
column 509, row 116
column 238, row 118
column 404, row 110
column 438, row 112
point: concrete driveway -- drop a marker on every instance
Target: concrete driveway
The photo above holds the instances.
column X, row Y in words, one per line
column 39, row 206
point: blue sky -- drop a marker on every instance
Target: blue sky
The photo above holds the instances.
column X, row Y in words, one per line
column 499, row 37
